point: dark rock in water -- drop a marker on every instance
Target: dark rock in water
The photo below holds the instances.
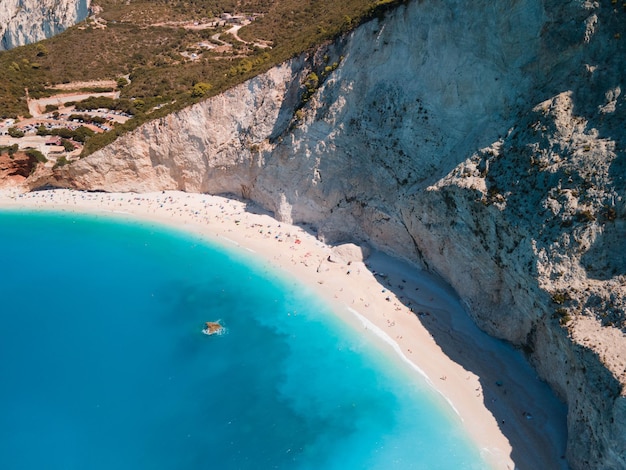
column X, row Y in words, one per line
column 213, row 328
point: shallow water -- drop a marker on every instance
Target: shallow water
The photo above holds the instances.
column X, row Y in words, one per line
column 103, row 364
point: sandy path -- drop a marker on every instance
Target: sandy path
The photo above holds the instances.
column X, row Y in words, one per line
column 510, row 414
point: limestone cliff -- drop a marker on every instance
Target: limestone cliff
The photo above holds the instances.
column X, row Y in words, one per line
column 27, row 21
column 483, row 140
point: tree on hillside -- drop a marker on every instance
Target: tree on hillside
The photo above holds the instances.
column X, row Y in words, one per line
column 15, row 132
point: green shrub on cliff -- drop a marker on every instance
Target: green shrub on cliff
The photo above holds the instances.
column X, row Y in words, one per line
column 200, row 89
column 36, row 154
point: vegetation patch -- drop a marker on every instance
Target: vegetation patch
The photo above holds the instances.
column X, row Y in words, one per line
column 37, row 155
column 164, row 55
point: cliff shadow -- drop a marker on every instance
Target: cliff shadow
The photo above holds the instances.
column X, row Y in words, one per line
column 527, row 412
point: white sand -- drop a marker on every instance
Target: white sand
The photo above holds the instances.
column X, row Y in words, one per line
column 512, row 417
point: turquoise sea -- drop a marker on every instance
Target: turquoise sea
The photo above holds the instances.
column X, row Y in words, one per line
column 103, row 364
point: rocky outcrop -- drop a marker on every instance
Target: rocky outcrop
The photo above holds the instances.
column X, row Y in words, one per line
column 27, row 21
column 483, row 140
column 16, row 167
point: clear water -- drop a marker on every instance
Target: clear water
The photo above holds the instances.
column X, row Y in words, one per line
column 103, row 364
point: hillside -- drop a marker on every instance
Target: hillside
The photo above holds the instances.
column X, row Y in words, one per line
column 172, row 53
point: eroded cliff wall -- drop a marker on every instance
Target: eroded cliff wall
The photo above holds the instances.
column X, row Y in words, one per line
column 27, row 21
column 483, row 140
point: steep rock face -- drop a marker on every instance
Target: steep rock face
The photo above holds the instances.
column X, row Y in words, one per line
column 27, row 21
column 16, row 167
column 484, row 141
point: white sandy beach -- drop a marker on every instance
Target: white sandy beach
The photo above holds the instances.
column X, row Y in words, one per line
column 510, row 414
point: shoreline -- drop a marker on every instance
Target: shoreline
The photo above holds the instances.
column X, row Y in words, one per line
column 510, row 415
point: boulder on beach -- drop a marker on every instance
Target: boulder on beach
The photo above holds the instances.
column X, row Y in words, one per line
column 350, row 253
